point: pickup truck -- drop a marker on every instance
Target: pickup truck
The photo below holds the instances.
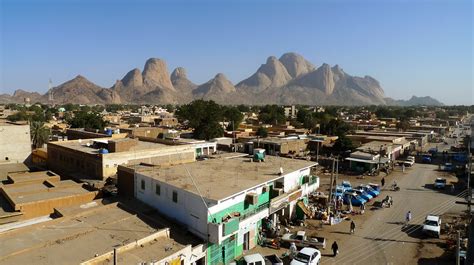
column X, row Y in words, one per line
column 301, row 240
column 258, row 259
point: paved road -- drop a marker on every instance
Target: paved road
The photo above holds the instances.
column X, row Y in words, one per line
column 381, row 239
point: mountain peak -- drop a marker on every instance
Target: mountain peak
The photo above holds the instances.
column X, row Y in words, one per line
column 133, row 78
column 178, row 73
column 271, row 74
column 295, row 64
column 155, row 74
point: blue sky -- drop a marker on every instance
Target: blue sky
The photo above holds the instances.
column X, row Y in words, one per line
column 412, row 47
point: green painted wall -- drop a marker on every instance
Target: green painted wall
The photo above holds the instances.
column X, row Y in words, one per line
column 232, row 250
column 241, row 207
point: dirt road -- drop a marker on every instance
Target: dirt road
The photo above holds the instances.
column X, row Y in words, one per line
column 380, row 237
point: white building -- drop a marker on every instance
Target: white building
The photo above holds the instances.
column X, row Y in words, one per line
column 224, row 200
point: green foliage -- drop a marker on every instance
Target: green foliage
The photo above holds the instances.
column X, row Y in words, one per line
column 272, row 114
column 19, row 116
column 243, row 108
column 170, row 108
column 39, row 134
column 335, row 127
column 233, row 116
column 403, row 125
column 342, row 145
column 114, row 107
column 262, row 132
column 204, row 117
column 90, row 120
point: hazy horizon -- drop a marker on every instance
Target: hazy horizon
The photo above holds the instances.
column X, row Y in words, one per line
column 421, row 48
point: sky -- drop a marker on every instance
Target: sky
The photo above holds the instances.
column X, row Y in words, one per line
column 416, row 47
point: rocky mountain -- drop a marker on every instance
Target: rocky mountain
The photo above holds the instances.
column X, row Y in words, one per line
column 414, row 101
column 218, row 89
column 291, row 79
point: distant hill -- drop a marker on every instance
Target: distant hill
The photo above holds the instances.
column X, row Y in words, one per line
column 414, row 101
column 290, row 79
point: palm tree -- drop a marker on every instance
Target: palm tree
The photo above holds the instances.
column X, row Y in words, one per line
column 39, row 134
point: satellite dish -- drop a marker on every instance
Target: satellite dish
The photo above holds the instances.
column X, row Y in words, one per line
column 88, row 144
column 80, row 140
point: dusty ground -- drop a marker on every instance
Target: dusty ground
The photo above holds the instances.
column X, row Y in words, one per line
column 380, row 237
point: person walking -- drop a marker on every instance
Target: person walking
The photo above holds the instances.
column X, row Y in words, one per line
column 335, row 248
column 408, row 218
column 353, row 227
column 383, row 181
column 293, row 250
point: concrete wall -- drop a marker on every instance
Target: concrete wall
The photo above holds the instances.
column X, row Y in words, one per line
column 15, row 143
column 160, row 156
column 189, row 210
column 66, row 161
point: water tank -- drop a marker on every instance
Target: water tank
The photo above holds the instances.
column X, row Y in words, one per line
column 108, row 132
column 103, row 151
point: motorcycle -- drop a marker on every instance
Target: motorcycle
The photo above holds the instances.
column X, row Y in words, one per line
column 394, row 187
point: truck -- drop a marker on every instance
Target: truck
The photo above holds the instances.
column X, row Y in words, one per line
column 258, row 259
column 301, row 240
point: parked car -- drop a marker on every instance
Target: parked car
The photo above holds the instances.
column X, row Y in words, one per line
column 448, row 167
column 369, row 190
column 301, row 240
column 409, row 161
column 426, row 159
column 258, row 259
column 440, row 183
column 307, row 256
column 361, row 193
column 432, row 225
column 353, row 198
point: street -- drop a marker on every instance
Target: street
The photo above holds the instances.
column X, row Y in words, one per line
column 380, row 237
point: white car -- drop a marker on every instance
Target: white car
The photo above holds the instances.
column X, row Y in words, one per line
column 307, row 256
column 432, row 225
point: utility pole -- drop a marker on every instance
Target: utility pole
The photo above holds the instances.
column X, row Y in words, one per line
column 337, row 169
column 458, row 248
column 331, row 185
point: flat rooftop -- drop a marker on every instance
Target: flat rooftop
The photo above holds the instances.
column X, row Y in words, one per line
column 20, row 177
column 35, row 192
column 83, row 234
column 7, row 168
column 231, row 174
column 82, row 145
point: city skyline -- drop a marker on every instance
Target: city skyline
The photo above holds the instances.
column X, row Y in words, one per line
column 422, row 48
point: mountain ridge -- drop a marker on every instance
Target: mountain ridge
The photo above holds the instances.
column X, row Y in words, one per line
column 291, row 79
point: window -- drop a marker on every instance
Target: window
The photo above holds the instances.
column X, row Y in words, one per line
column 143, row 184
column 158, row 189
column 175, row 196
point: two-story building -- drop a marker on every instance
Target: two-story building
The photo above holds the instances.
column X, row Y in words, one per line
column 224, row 200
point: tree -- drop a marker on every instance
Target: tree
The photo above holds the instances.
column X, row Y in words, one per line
column 204, row 117
column 90, row 120
column 39, row 134
column 262, row 132
column 342, row 145
column 233, row 116
column 272, row 114
column 403, row 125
column 335, row 127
